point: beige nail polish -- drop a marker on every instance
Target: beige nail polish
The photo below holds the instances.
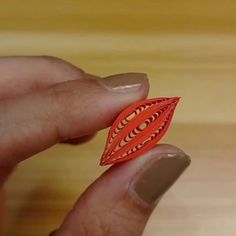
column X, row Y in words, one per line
column 125, row 82
column 156, row 179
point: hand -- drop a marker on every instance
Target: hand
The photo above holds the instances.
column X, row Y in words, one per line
column 44, row 101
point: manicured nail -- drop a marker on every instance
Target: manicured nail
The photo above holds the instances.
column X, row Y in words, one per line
column 157, row 178
column 125, row 82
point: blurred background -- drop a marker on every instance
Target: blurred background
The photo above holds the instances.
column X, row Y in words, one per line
column 188, row 49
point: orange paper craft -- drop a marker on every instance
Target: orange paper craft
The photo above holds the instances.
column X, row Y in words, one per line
column 138, row 128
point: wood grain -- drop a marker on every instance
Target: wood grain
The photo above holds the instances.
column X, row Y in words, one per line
column 199, row 68
column 188, row 49
column 123, row 16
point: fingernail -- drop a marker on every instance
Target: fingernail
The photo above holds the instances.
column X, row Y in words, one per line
column 125, row 82
column 158, row 177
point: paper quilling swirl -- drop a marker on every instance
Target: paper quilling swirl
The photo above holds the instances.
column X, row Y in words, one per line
column 138, row 128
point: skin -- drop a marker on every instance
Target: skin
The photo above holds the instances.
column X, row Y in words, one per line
column 53, row 85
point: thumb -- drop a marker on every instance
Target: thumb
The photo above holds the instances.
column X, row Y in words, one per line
column 122, row 199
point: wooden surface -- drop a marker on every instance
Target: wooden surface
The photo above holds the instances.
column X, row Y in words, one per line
column 188, row 49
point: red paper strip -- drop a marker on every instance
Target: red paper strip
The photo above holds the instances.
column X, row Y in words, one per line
column 138, row 128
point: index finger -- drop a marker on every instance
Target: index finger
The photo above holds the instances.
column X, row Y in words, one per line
column 72, row 109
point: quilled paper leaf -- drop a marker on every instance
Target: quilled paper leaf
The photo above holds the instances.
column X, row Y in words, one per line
column 138, row 128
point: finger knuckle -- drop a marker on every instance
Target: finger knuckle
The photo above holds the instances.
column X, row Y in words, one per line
column 51, row 60
column 56, row 63
column 61, row 95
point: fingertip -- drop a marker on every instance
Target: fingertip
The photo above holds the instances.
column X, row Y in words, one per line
column 150, row 175
column 127, row 190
